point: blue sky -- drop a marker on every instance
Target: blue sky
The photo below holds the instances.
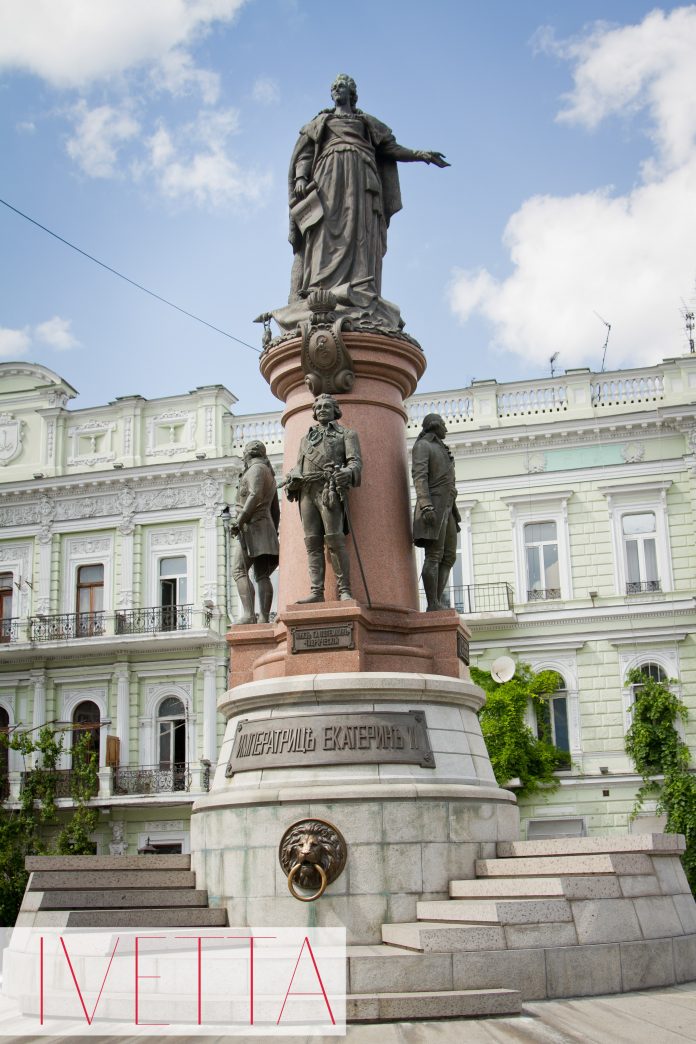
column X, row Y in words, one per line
column 156, row 135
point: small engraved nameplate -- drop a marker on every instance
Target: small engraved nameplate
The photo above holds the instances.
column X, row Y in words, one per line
column 382, row 737
column 462, row 648
column 315, row 639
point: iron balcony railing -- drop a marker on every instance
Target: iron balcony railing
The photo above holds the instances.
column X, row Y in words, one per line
column 155, row 779
column 66, row 625
column 153, row 619
column 543, row 594
column 63, row 779
column 479, row 598
column 9, row 629
column 640, row 586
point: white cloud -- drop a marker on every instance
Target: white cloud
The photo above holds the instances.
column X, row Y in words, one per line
column 265, row 91
column 177, row 74
column 206, row 175
column 13, row 343
column 57, row 333
column 629, row 257
column 26, row 126
column 98, row 135
column 71, row 43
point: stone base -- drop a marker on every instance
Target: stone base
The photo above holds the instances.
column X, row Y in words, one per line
column 409, row 827
column 384, row 638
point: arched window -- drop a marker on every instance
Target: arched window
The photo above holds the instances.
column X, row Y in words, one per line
column 552, row 719
column 651, row 670
column 171, row 740
column 86, row 721
column 4, row 756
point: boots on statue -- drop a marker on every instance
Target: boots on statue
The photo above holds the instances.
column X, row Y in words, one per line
column 245, row 589
column 265, row 599
column 316, row 565
column 430, row 578
column 443, row 574
column 340, row 564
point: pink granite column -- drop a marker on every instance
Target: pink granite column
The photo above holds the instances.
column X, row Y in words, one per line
column 387, row 371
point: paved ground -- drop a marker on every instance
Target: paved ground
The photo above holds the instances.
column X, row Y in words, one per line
column 650, row 1017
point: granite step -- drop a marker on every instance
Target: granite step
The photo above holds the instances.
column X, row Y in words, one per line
column 499, row 911
column 149, row 917
column 558, row 865
column 600, row 887
column 119, row 898
column 655, row 844
column 45, row 880
column 375, row 1007
column 436, row 937
column 94, row 862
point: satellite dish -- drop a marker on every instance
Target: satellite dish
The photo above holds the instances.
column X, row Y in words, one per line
column 502, row 669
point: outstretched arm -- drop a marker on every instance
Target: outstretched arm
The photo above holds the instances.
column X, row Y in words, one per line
column 401, row 154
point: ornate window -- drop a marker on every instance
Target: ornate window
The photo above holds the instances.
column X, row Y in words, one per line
column 171, row 740
column 172, row 590
column 89, row 600
column 5, row 607
column 541, row 561
column 552, row 720
column 4, row 755
column 640, row 536
column 86, row 720
column 541, row 544
column 640, row 550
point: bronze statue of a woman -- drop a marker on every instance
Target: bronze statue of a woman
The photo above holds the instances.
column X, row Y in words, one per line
column 343, row 189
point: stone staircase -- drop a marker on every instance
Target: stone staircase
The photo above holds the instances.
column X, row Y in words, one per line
column 153, row 891
column 558, row 918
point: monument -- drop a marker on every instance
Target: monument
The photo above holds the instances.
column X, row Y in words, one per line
column 353, row 785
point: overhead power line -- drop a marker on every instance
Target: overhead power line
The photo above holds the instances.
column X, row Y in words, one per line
column 132, row 282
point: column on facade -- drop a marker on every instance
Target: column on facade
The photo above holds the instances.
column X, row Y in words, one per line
column 122, row 679
column 38, row 718
column 209, row 671
column 212, row 495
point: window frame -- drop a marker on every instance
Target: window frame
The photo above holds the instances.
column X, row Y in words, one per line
column 550, row 506
column 636, row 499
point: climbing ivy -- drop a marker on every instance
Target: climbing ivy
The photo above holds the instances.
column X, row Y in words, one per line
column 657, row 750
column 24, row 830
column 514, row 750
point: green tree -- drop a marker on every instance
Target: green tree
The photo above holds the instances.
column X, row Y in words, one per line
column 514, row 750
column 24, row 829
column 662, row 758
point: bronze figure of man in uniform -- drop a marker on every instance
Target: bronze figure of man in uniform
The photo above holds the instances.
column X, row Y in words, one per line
column 255, row 526
column 328, row 464
column 435, row 518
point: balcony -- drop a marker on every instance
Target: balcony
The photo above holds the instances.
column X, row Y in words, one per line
column 9, row 629
column 63, row 778
column 156, row 780
column 65, row 626
column 155, row 619
column 543, row 594
column 642, row 586
column 472, row 599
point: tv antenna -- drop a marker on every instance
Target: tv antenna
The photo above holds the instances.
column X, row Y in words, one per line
column 606, row 339
column 688, row 314
column 552, row 361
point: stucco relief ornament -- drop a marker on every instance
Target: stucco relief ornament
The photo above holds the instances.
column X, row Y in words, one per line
column 125, row 500
column 326, row 362
column 536, row 463
column 11, row 435
column 691, row 440
column 633, row 452
column 47, row 511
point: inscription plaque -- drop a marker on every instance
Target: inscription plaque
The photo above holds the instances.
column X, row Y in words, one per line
column 331, row 739
column 308, row 639
column 462, row 648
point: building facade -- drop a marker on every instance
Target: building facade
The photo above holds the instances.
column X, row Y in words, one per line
column 576, row 553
